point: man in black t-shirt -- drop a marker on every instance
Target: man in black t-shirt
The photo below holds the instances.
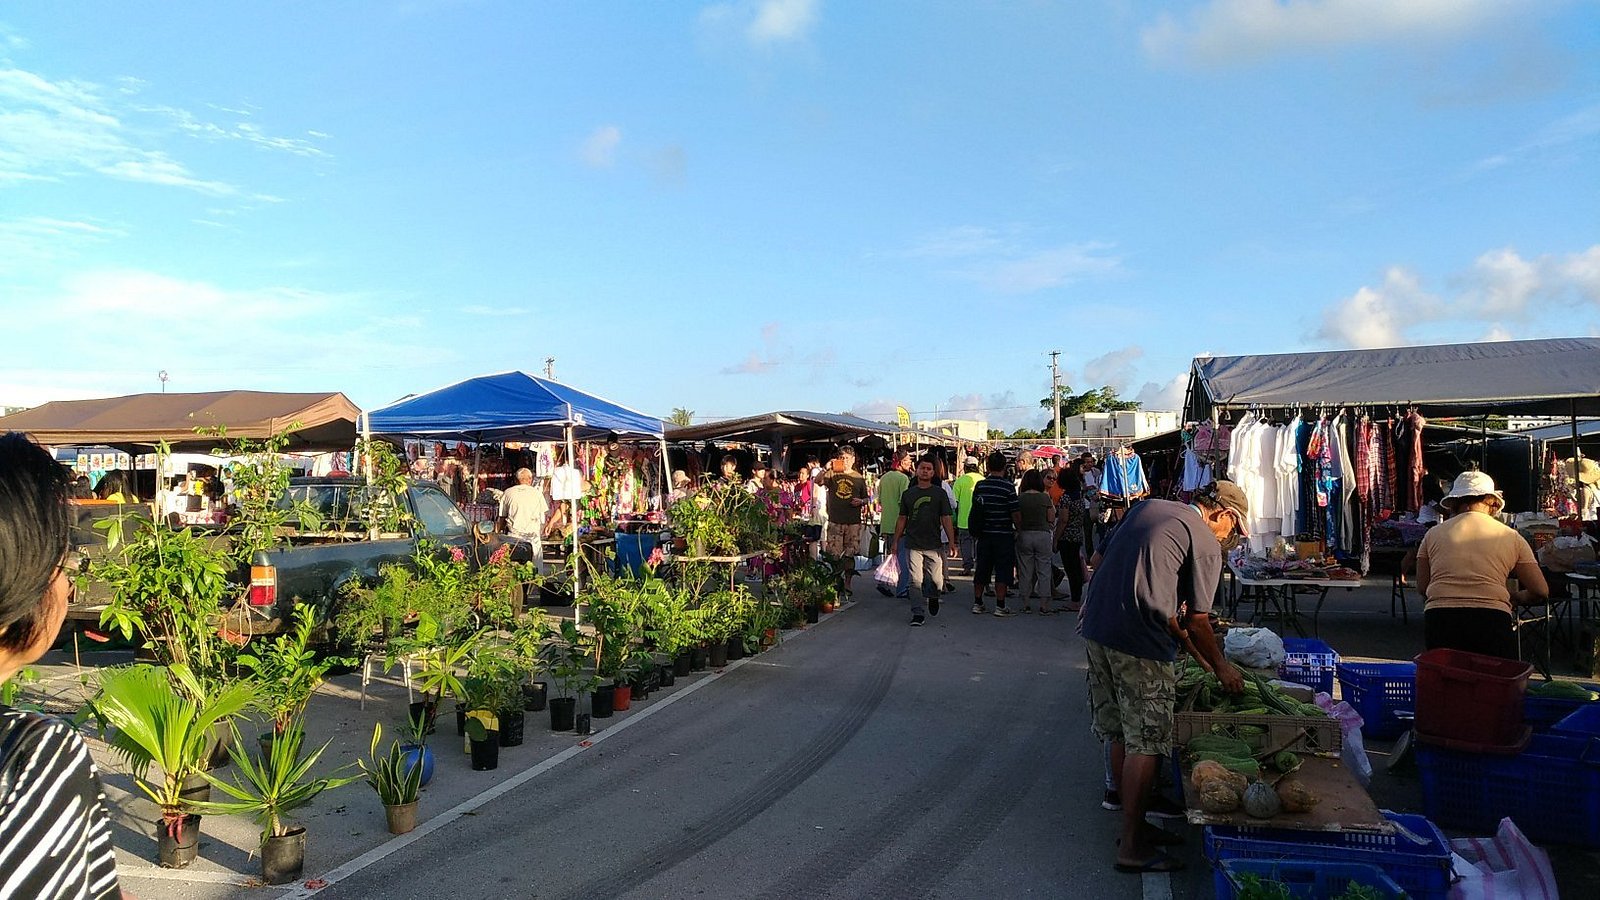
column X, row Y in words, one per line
column 847, row 494
column 925, row 513
column 994, row 520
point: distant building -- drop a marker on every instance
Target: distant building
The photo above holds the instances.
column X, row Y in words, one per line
column 8, row 410
column 1099, row 429
column 963, row 429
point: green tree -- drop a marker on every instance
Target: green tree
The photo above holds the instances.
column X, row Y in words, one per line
column 1024, row 434
column 996, row 434
column 1100, row 399
column 681, row 417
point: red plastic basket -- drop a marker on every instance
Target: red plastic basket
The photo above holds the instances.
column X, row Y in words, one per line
column 1471, row 698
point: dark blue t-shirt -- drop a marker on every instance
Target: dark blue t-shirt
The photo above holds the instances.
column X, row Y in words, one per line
column 1162, row 555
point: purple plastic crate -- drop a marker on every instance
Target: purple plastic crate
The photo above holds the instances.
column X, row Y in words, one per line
column 1380, row 692
column 1422, row 870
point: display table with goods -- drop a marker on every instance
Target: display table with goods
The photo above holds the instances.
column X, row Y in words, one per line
column 1275, row 586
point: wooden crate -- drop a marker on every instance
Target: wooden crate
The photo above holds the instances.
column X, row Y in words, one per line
column 1302, row 734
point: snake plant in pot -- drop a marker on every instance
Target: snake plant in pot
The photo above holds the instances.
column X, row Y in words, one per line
column 166, row 718
column 268, row 788
column 397, row 779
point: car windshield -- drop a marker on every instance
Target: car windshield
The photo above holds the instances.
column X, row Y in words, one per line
column 341, row 507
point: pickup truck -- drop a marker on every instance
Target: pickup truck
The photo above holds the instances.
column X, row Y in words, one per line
column 313, row 566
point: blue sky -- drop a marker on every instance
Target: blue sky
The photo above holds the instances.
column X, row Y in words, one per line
column 741, row 206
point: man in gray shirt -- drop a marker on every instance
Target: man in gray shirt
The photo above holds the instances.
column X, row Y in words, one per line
column 925, row 512
column 1163, row 556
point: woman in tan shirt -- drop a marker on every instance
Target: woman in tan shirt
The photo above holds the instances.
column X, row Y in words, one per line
column 1462, row 567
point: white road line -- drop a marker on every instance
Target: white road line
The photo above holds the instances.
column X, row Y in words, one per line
column 400, row 842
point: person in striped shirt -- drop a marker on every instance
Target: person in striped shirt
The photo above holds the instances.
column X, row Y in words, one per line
column 55, row 834
column 994, row 520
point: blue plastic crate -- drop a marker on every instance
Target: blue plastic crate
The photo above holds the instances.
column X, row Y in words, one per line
column 1380, row 692
column 1310, row 662
column 1585, row 722
column 1305, row 879
column 1551, row 789
column 1422, row 870
column 1542, row 713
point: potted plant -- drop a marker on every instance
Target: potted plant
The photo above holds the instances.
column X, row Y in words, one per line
column 397, row 779
column 483, row 744
column 286, row 671
column 370, row 616
column 166, row 718
column 564, row 659
column 415, row 747
column 270, row 787
column 640, row 670
column 527, row 640
column 440, row 658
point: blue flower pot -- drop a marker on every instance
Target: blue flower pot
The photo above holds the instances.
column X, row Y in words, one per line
column 411, row 752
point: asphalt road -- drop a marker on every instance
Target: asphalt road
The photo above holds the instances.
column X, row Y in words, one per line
column 868, row 759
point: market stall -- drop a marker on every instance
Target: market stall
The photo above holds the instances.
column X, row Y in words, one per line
column 516, row 406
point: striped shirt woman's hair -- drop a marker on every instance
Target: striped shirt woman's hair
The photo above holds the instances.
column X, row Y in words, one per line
column 34, row 531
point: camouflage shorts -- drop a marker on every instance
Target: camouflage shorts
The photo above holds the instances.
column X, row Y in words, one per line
column 843, row 540
column 1131, row 700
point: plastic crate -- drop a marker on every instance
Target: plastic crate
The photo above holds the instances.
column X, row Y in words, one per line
column 1422, row 870
column 1305, row 879
column 1551, row 790
column 1380, row 692
column 1302, row 734
column 1542, row 713
column 1310, row 662
column 1584, row 722
column 1470, row 697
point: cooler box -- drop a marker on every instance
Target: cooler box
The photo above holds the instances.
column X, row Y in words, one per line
column 633, row 550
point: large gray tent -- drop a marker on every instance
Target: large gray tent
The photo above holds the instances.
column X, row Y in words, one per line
column 1554, row 377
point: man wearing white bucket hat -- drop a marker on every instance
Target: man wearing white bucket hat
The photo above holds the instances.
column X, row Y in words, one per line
column 1462, row 567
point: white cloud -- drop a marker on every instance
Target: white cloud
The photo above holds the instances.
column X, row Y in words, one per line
column 878, row 410
column 1003, row 260
column 753, row 364
column 1572, row 130
column 1500, row 285
column 599, row 150
column 1224, row 32
column 51, row 129
column 782, row 20
column 37, row 238
column 1115, row 369
column 1163, row 396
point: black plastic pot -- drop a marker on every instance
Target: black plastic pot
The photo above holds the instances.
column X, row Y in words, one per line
column 682, row 663
column 718, row 654
column 736, row 647
column 195, row 789
column 534, row 696
column 666, row 676
column 561, row 710
column 222, row 738
column 511, row 725
column 284, row 858
column 581, row 723
column 813, row 611
column 698, row 657
column 178, row 851
column 642, row 684
column 461, row 720
column 486, row 754
column 601, row 698
column 428, row 708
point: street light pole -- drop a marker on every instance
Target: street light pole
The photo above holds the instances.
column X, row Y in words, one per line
column 162, row 376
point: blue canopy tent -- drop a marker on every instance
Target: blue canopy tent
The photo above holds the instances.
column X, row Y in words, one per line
column 516, row 406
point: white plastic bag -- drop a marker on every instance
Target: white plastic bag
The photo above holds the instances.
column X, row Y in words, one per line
column 1354, row 752
column 888, row 572
column 1257, row 648
column 1504, row 867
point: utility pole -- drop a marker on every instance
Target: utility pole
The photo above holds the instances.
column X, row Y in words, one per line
column 1055, row 390
column 550, row 367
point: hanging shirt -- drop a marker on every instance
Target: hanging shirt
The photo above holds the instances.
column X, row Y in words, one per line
column 566, row 484
column 1124, row 476
column 1196, row 471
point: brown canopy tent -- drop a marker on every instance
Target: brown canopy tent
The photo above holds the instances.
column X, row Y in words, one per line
column 137, row 422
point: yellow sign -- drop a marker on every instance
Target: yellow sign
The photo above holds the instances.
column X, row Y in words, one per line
column 903, row 416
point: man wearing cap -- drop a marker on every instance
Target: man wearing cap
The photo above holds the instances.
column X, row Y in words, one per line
column 1462, row 567
column 1165, row 557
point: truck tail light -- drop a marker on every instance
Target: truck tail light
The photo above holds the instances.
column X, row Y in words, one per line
column 263, row 586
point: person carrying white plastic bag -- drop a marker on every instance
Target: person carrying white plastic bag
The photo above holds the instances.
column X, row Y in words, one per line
column 888, row 571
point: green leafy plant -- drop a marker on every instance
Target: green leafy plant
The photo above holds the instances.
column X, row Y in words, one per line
column 377, row 611
column 722, row 518
column 381, row 509
column 395, row 777
column 440, row 655
column 274, row 784
column 170, row 586
column 286, row 671
column 11, row 688
column 261, row 476
column 566, row 660
column 165, row 718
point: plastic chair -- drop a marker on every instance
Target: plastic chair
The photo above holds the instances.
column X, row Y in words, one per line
column 366, row 675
